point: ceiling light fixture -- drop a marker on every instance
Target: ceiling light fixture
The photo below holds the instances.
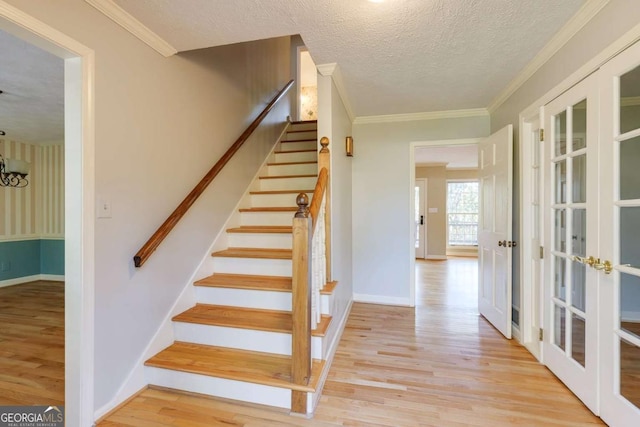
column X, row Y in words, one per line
column 13, row 172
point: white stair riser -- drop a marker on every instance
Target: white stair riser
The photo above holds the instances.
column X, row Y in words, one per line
column 327, row 304
column 298, row 145
column 243, row 339
column 308, row 156
column 288, row 183
column 261, row 267
column 304, row 126
column 260, row 240
column 249, row 298
column 294, row 136
column 266, row 218
column 276, row 200
column 220, row 387
column 296, row 169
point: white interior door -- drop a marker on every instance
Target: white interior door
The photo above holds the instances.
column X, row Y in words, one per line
column 620, row 239
column 571, row 228
column 419, row 218
column 495, row 157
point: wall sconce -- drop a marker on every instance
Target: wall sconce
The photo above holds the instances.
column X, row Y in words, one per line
column 349, row 146
column 13, row 173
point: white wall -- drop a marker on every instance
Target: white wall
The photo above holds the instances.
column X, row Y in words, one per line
column 381, row 201
column 161, row 123
column 334, row 122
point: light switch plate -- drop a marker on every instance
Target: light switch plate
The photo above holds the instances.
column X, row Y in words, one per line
column 433, row 210
column 103, row 209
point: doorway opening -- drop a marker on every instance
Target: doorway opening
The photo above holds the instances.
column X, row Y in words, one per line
column 434, row 164
column 307, row 86
column 78, row 204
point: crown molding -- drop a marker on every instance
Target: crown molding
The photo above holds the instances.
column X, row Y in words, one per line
column 575, row 24
column 431, row 115
column 135, row 27
column 332, row 70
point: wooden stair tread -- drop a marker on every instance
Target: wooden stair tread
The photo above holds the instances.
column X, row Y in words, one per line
column 246, row 318
column 240, row 365
column 295, row 151
column 269, row 229
column 246, row 281
column 302, row 130
column 270, row 209
column 329, row 288
column 281, row 192
column 300, row 140
column 264, row 253
column 302, row 122
column 292, row 163
column 289, row 176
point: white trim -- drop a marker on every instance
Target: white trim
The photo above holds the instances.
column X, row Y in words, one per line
column 21, row 238
column 135, row 27
column 52, row 277
column 34, row 278
column 332, row 70
column 628, row 39
column 79, row 194
column 380, row 299
column 575, row 24
column 436, row 257
column 630, row 316
column 430, row 115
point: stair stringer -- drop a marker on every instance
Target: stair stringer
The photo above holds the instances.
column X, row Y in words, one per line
column 165, row 334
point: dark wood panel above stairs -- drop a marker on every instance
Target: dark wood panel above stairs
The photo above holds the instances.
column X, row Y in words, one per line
column 241, row 365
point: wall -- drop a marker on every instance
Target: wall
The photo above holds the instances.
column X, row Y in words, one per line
column 32, row 224
column 614, row 20
column 334, row 122
column 382, row 189
column 161, row 123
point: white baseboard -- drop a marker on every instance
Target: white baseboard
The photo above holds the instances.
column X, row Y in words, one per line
column 437, row 257
column 27, row 279
column 333, row 347
column 381, row 299
column 630, row 316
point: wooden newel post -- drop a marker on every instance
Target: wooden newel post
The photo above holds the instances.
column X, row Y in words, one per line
column 301, row 303
column 324, row 161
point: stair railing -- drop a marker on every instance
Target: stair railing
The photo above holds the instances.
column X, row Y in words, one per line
column 161, row 233
column 311, row 271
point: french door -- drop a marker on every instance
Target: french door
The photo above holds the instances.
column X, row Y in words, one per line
column 620, row 239
column 571, row 226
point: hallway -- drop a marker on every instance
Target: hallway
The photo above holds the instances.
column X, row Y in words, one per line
column 439, row 364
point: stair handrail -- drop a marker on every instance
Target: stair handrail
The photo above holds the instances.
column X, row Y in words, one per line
column 311, row 267
column 161, row 233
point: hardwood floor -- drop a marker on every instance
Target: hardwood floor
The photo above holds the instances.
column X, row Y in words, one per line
column 440, row 364
column 32, row 344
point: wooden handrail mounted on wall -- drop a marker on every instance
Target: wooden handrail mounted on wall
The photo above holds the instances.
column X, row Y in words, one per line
column 154, row 241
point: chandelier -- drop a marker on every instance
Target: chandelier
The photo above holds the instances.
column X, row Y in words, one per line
column 13, row 172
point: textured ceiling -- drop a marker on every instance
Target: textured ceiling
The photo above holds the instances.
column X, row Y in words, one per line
column 454, row 157
column 399, row 56
column 32, row 105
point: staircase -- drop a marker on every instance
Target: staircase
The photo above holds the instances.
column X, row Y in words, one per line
column 235, row 343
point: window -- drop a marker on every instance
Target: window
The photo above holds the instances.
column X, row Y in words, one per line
column 462, row 213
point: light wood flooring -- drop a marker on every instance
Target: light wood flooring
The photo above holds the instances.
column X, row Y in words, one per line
column 440, row 364
column 32, row 344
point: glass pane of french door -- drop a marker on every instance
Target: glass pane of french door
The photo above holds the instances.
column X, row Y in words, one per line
column 620, row 239
column 570, row 349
